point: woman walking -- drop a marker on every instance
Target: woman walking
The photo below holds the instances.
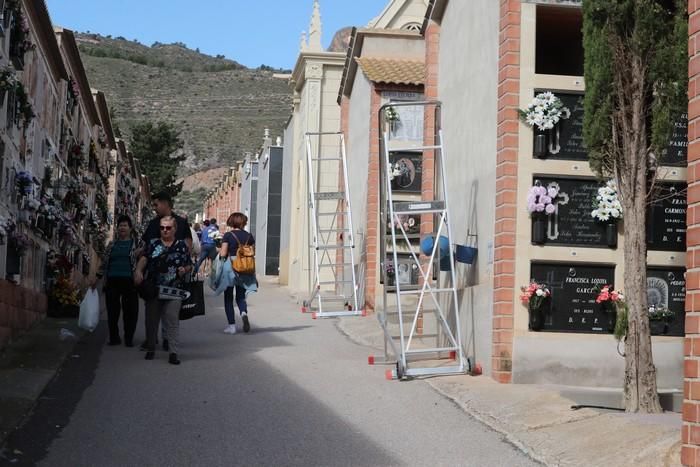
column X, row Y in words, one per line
column 243, row 282
column 166, row 261
column 117, row 268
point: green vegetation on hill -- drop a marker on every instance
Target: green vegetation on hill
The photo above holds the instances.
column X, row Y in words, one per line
column 219, row 107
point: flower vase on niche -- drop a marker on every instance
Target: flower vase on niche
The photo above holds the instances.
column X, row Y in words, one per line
column 536, row 322
column 540, row 150
column 541, row 203
column 536, row 297
column 611, row 234
column 608, row 211
column 539, row 228
column 610, row 312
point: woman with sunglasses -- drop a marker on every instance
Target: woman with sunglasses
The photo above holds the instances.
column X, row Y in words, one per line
column 167, row 261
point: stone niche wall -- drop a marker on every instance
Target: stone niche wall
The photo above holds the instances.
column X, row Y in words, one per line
column 20, row 309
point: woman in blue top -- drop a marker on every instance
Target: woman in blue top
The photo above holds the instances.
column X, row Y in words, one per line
column 237, row 221
column 117, row 267
column 168, row 261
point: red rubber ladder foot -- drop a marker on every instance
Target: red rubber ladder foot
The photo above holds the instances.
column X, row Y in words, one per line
column 453, row 355
column 313, row 315
column 363, row 313
column 476, row 371
column 304, row 309
column 389, row 375
column 370, row 360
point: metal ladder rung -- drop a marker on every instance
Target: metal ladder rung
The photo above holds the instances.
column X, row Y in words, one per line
column 426, row 291
column 334, row 230
column 414, row 148
column 334, row 265
column 334, row 298
column 335, row 213
column 334, row 282
column 326, row 159
column 333, row 247
column 330, row 195
column 420, row 211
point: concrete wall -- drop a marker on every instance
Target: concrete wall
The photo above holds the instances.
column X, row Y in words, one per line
column 571, row 358
column 263, row 196
column 407, row 48
column 358, row 157
column 318, row 111
column 287, row 178
column 467, row 86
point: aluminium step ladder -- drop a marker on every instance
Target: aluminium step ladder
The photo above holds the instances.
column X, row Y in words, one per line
column 413, row 350
column 334, row 289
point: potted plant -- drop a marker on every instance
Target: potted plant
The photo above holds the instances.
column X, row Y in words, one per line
column 535, row 296
column 64, row 298
column 392, row 117
column 544, row 112
column 541, row 202
column 390, row 273
column 659, row 319
column 610, row 300
column 608, row 210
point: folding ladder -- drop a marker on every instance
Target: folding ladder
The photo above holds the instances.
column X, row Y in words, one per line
column 415, row 352
column 334, row 290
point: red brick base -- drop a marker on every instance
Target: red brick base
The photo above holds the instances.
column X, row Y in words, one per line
column 20, row 308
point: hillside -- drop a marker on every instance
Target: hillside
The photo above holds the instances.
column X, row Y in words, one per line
column 220, row 106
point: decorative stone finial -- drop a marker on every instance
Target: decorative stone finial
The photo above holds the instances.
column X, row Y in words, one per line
column 315, row 29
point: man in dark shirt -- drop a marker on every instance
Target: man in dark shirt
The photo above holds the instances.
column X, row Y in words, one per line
column 163, row 205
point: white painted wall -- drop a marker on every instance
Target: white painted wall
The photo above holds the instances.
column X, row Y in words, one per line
column 468, row 80
column 318, row 111
column 288, row 174
column 406, row 48
column 358, row 157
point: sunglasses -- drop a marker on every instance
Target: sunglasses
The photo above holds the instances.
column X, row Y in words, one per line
column 166, row 227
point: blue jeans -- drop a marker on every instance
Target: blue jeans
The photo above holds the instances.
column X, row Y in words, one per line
column 207, row 250
column 240, row 301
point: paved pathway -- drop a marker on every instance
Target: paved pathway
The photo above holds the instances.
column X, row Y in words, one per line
column 294, row 391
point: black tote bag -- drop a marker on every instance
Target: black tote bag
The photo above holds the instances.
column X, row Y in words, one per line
column 194, row 305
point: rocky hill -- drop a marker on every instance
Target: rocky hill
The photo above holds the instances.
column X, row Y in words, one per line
column 220, row 106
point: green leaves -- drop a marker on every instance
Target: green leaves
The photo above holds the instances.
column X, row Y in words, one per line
column 615, row 32
column 157, row 147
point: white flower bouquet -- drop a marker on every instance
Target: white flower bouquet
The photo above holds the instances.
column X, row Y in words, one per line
column 545, row 111
column 607, row 205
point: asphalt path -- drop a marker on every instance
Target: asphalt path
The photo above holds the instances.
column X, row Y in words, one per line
column 293, row 391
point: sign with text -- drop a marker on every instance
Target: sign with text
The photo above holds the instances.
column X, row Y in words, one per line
column 676, row 153
column 572, row 223
column 572, row 304
column 666, row 289
column 666, row 218
column 565, row 141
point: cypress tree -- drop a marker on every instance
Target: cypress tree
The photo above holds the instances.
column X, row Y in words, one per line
column 636, row 73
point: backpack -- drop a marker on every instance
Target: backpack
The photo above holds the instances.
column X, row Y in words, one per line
column 244, row 261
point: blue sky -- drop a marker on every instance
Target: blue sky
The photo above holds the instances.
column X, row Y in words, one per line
column 252, row 32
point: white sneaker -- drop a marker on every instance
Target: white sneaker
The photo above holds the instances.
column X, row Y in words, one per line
column 230, row 329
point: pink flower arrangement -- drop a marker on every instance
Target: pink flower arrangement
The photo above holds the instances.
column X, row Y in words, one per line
column 534, row 294
column 542, row 199
column 607, row 293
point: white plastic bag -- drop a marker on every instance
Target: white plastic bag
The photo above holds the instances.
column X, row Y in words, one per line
column 89, row 310
column 196, row 245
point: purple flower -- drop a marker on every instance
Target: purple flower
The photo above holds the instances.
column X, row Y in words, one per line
column 531, row 207
column 550, row 209
column 541, row 191
column 539, row 207
column 552, row 192
column 546, row 200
